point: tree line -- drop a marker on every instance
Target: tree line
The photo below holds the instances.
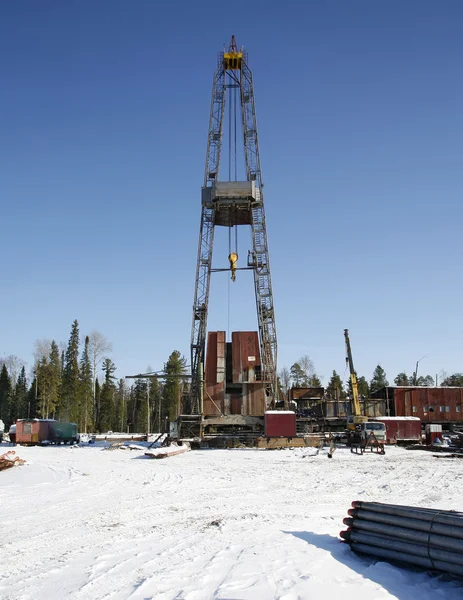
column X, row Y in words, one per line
column 77, row 382
column 302, row 374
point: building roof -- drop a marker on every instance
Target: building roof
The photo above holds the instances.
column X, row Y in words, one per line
column 424, row 387
column 395, row 418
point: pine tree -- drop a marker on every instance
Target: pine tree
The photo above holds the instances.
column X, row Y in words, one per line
column 69, row 409
column 97, row 401
column 425, row 381
column 97, row 350
column 313, row 381
column 363, row 387
column 297, row 375
column 454, row 380
column 379, row 379
column 120, row 406
column 41, row 373
column 173, row 369
column 55, row 377
column 306, row 364
column 48, row 373
column 13, row 366
column 156, row 405
column 137, row 409
column 5, row 395
column 107, row 410
column 20, row 403
column 402, row 379
column 334, row 389
column 33, row 405
column 86, row 390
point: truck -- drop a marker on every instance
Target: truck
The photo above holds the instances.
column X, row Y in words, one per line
column 356, row 418
column 361, row 433
column 64, row 433
column 45, row 431
column 370, row 435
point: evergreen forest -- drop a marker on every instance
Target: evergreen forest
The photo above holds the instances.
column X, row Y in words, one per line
column 77, row 382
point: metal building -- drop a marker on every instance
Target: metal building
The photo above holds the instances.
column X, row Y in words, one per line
column 431, row 404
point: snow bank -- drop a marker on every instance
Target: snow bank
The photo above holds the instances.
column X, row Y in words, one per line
column 88, row 524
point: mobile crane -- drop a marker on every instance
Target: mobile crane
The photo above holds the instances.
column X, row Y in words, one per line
column 360, row 432
column 356, row 418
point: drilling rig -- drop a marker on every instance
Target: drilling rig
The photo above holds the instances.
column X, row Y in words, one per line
column 230, row 203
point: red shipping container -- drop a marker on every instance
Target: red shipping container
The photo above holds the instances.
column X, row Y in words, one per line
column 401, row 429
column 33, row 431
column 280, row 423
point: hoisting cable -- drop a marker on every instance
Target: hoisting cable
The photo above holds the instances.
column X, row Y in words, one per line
column 230, row 97
column 228, row 311
column 234, row 112
column 228, row 293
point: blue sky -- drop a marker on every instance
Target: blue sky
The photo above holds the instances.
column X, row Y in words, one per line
column 105, row 109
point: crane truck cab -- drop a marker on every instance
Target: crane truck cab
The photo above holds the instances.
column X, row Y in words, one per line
column 354, row 420
column 358, row 431
column 369, row 427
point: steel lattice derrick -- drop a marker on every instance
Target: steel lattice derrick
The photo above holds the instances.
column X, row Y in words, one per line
column 264, row 299
column 214, row 140
column 262, row 279
column 206, row 236
column 248, row 115
column 246, row 208
column 203, row 276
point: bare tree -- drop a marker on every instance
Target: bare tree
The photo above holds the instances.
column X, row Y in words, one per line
column 98, row 348
column 285, row 379
column 13, row 365
column 41, row 350
column 306, row 364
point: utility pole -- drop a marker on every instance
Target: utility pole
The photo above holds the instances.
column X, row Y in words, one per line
column 415, row 378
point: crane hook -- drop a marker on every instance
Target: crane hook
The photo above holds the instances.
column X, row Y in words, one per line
column 233, row 259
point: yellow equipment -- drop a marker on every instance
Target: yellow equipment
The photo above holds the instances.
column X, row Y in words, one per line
column 233, row 59
column 357, row 418
column 233, row 259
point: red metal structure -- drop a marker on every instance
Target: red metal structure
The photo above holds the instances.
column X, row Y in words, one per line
column 33, row 431
column 430, row 404
column 280, row 423
column 233, row 386
column 38, row 431
column 401, row 429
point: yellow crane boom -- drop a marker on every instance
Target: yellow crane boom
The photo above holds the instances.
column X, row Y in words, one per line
column 357, row 412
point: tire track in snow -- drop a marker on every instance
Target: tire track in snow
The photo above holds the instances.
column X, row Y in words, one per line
column 124, row 527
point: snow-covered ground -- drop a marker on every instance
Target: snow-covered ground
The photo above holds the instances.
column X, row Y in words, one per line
column 88, row 523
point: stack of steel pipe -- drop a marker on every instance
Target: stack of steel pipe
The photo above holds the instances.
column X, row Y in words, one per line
column 425, row 537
